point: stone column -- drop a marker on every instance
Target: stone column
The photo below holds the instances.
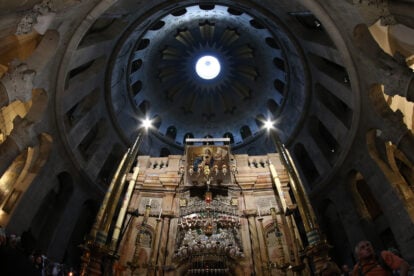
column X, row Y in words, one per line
column 395, row 130
column 393, row 127
column 17, row 83
column 162, row 261
column 265, row 264
column 21, row 137
column 396, row 77
column 254, row 240
column 286, row 216
column 152, row 266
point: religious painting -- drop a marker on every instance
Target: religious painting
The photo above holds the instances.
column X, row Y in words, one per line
column 208, row 165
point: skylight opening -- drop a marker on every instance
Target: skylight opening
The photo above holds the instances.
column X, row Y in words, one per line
column 208, row 67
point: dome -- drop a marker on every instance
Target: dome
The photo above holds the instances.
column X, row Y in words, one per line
column 268, row 71
column 253, row 85
column 78, row 79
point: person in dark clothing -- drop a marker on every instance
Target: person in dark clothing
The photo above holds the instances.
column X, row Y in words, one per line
column 13, row 261
column 28, row 242
column 37, row 265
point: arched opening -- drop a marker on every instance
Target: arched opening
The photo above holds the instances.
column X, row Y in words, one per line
column 50, row 212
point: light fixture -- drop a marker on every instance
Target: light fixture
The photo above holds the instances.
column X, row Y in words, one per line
column 146, row 123
column 268, row 124
column 208, row 67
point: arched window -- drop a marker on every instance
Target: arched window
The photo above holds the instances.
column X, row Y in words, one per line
column 228, row 135
column 245, row 132
column 369, row 200
column 306, row 164
column 188, row 135
column 171, row 132
column 156, row 121
column 260, row 119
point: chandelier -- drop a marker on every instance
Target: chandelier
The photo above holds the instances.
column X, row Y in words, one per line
column 209, row 218
column 209, row 227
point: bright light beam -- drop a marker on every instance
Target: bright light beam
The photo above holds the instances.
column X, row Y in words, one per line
column 147, row 123
column 268, row 125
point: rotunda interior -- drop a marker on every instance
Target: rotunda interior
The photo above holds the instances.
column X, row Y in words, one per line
column 287, row 144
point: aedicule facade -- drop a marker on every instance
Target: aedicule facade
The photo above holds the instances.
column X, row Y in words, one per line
column 188, row 217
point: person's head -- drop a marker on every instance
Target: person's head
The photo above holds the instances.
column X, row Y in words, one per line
column 364, row 250
column 345, row 268
column 38, row 259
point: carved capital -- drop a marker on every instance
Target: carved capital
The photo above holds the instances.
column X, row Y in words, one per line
column 250, row 212
column 392, row 72
column 18, row 82
column 394, row 128
column 38, row 18
column 23, row 133
column 398, row 79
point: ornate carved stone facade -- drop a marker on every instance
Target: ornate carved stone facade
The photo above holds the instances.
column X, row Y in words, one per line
column 224, row 229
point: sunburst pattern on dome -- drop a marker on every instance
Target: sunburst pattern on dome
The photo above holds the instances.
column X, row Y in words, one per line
column 235, row 57
column 167, row 54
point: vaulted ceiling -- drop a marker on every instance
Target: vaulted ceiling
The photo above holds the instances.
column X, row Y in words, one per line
column 279, row 61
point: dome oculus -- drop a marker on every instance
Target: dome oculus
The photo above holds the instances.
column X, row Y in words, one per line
column 208, row 67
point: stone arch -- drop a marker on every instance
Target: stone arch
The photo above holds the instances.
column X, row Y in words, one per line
column 21, row 174
column 276, row 243
column 171, row 132
column 335, row 230
column 23, row 134
column 7, row 115
column 393, row 127
column 32, row 110
column 83, row 225
column 140, row 246
column 378, row 230
column 401, row 166
column 37, row 50
column 367, row 204
column 9, row 179
column 245, row 132
column 389, row 159
column 50, row 211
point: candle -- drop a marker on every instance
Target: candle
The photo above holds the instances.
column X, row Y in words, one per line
column 258, row 209
column 159, row 216
column 149, row 203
